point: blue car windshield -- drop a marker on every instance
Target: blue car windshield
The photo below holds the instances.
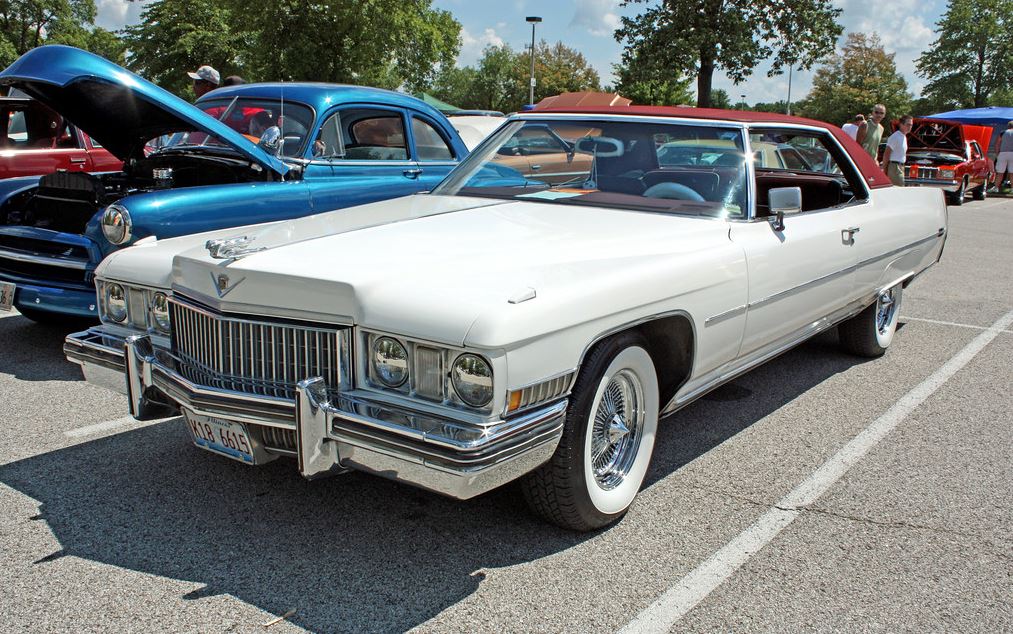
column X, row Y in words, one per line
column 679, row 167
column 252, row 117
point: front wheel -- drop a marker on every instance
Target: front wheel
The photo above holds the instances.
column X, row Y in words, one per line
column 608, row 437
column 981, row 193
column 870, row 332
column 957, row 198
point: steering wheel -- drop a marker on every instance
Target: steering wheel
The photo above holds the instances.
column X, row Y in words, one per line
column 673, row 191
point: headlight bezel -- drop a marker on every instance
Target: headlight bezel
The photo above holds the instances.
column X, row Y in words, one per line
column 390, row 348
column 155, row 320
column 140, row 301
column 117, row 226
column 107, row 302
column 464, row 392
column 426, row 361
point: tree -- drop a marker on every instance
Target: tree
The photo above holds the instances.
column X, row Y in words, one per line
column 497, row 86
column 387, row 43
column 558, row 69
column 176, row 36
column 697, row 37
column 25, row 24
column 648, row 84
column 973, row 54
column 719, row 99
column 455, row 85
column 860, row 76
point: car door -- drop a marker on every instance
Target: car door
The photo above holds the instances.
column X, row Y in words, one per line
column 434, row 154
column 360, row 155
column 803, row 272
column 979, row 166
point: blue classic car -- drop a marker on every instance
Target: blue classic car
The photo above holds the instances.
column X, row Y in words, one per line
column 242, row 155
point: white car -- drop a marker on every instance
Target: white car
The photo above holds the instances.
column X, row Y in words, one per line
column 504, row 327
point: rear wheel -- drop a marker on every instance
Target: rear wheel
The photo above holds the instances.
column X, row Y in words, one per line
column 608, row 437
column 870, row 332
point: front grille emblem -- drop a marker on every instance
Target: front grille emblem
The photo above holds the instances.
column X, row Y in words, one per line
column 222, row 286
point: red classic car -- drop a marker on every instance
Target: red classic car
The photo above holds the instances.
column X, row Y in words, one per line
column 36, row 140
column 951, row 156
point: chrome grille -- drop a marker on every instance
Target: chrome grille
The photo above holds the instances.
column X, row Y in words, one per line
column 253, row 356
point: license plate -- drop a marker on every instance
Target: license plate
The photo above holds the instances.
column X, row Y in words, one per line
column 6, row 295
column 224, row 437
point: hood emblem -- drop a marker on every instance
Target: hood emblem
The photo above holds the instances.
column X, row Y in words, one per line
column 229, row 248
column 222, row 286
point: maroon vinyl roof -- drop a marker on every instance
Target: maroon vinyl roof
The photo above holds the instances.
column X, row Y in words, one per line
column 869, row 168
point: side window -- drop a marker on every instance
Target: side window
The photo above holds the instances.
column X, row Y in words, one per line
column 811, row 161
column 362, row 134
column 429, row 144
column 975, row 151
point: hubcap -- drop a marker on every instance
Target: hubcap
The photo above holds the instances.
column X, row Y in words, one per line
column 617, row 429
column 885, row 309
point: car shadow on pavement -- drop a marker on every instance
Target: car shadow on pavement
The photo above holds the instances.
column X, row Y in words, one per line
column 34, row 352
column 733, row 407
column 351, row 553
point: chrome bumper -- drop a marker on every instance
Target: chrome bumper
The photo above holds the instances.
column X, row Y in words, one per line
column 336, row 432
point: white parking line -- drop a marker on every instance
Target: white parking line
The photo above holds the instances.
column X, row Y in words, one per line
column 109, row 425
column 675, row 603
column 948, row 323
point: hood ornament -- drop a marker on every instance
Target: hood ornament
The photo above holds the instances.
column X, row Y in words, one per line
column 228, row 248
column 221, row 284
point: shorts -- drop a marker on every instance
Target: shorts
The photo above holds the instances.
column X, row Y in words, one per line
column 1004, row 162
column 896, row 173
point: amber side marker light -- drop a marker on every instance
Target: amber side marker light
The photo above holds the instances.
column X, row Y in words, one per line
column 514, row 401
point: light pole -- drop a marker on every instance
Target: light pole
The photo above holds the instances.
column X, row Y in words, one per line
column 787, row 109
column 533, row 19
column 744, row 104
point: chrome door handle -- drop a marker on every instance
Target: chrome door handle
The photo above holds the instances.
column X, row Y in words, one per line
column 413, row 173
column 78, row 160
column 536, row 167
column 848, row 235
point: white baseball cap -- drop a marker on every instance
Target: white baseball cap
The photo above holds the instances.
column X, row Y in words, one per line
column 206, row 73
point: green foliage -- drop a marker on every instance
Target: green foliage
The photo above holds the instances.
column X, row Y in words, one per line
column 720, row 99
column 851, row 82
column 25, row 24
column 649, row 84
column 500, row 80
column 973, row 56
column 776, row 106
column 697, row 37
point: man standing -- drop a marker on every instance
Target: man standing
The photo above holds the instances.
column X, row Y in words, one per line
column 870, row 133
column 1004, row 162
column 896, row 151
column 851, row 128
column 205, row 79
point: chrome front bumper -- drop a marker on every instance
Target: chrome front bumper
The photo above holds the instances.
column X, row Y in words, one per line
column 333, row 432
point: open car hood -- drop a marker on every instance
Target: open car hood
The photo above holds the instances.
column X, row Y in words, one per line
column 116, row 107
column 940, row 135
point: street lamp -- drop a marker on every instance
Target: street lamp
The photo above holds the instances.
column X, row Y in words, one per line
column 533, row 19
column 744, row 104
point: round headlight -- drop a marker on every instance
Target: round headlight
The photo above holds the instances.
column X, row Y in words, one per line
column 390, row 362
column 116, row 224
column 472, row 379
column 160, row 311
column 116, row 302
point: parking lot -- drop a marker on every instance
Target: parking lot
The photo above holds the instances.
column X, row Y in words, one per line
column 820, row 492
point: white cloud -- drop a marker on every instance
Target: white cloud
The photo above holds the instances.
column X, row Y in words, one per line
column 472, row 46
column 115, row 14
column 598, row 17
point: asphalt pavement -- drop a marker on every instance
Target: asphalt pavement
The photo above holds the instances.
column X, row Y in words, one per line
column 820, row 492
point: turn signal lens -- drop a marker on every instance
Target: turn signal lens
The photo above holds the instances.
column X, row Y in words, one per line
column 514, row 400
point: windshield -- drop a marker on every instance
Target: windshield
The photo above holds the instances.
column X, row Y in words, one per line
column 666, row 167
column 251, row 117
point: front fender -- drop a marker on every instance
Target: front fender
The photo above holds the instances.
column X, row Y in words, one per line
column 189, row 210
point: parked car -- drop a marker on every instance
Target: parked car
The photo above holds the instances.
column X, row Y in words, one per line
column 505, row 327
column 950, row 156
column 36, row 140
column 244, row 154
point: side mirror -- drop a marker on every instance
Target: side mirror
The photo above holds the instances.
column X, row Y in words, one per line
column 270, row 140
column 783, row 200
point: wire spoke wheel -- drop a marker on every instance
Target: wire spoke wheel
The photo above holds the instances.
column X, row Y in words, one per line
column 617, row 429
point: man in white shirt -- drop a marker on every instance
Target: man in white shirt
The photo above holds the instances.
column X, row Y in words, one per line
column 851, row 129
column 896, row 151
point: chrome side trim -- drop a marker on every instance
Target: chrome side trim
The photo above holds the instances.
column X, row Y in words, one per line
column 44, row 260
column 728, row 314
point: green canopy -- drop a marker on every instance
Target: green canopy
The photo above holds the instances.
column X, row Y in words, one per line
column 442, row 106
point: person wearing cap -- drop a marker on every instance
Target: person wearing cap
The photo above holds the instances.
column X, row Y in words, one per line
column 205, row 79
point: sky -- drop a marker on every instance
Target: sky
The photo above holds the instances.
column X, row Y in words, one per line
column 906, row 27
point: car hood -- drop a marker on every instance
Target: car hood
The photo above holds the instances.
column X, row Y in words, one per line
column 441, row 267
column 116, row 107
